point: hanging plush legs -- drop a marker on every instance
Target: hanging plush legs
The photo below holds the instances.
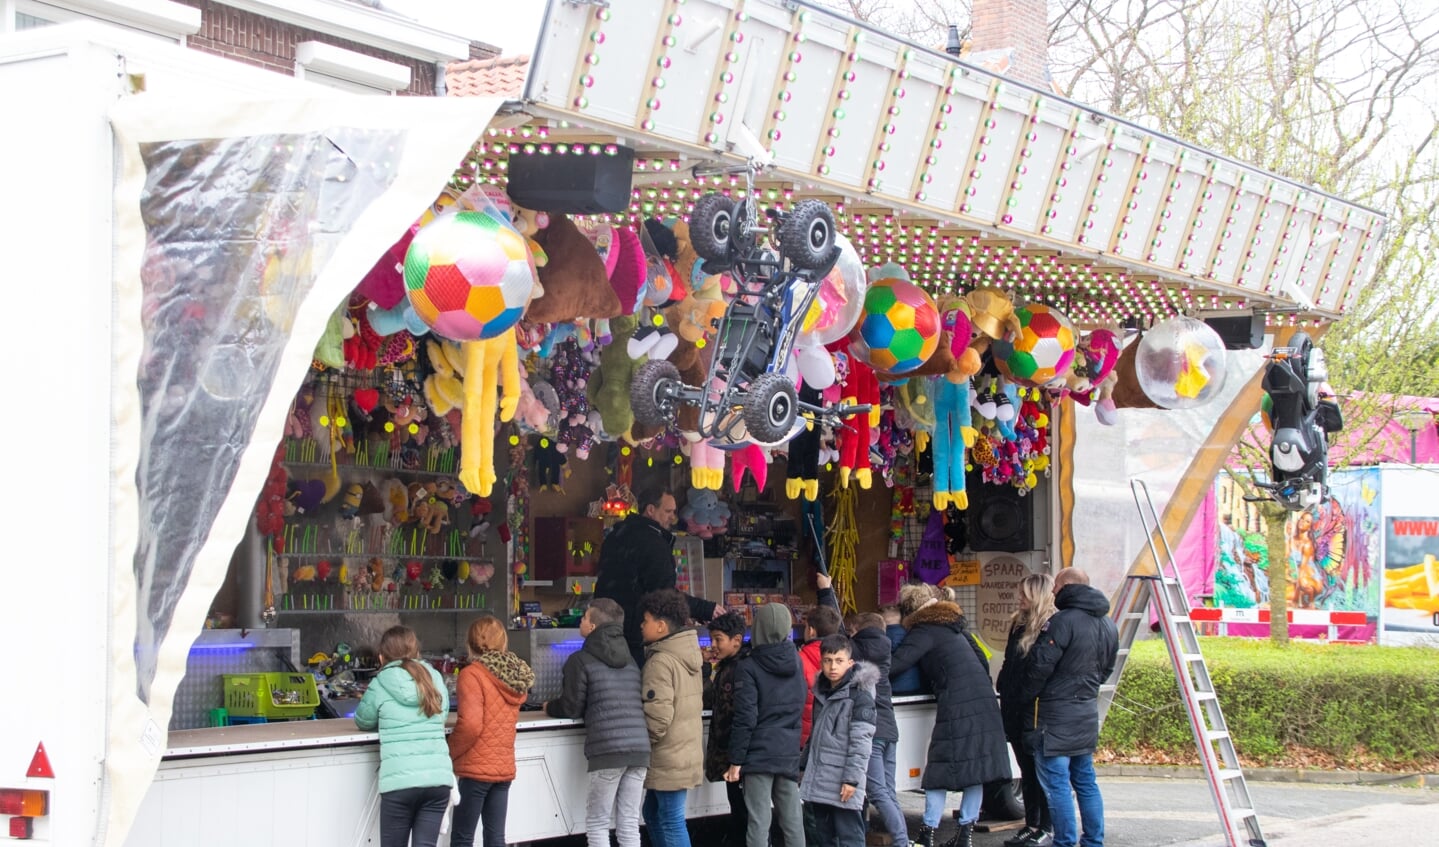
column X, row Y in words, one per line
column 490, row 365
column 802, row 474
column 953, row 434
column 860, row 386
column 706, row 465
column 752, row 458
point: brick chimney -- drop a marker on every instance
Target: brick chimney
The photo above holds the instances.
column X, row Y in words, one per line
column 1018, row 25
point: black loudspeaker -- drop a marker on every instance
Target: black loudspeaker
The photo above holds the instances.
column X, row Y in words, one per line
column 1000, row 519
column 1243, row 332
column 583, row 184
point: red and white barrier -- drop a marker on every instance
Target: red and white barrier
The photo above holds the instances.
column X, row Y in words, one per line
column 1303, row 617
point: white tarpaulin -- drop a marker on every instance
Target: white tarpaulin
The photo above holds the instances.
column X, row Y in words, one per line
column 238, row 229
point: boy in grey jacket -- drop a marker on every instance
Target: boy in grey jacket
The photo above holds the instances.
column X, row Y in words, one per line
column 840, row 742
column 602, row 685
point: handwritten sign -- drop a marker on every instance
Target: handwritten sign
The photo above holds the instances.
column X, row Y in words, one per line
column 963, row 572
column 998, row 600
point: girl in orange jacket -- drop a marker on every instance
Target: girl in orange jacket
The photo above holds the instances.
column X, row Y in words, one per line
column 482, row 745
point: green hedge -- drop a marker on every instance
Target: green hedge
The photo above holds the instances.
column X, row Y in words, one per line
column 1349, row 702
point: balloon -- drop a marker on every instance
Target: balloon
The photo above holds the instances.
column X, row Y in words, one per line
column 469, row 275
column 1181, row 363
column 898, row 328
column 840, row 300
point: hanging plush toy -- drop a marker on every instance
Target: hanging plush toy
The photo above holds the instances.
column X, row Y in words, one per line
column 752, row 459
column 954, row 433
column 491, row 365
column 706, row 465
column 859, row 387
column 609, row 385
column 549, row 465
column 802, row 469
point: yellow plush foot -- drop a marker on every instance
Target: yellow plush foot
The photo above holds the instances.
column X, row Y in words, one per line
column 793, row 488
column 960, row 499
column 941, row 500
column 865, row 477
column 970, row 434
column 843, row 477
column 811, row 490
column 921, row 440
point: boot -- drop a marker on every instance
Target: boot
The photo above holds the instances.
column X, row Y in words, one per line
column 963, row 837
column 926, row 837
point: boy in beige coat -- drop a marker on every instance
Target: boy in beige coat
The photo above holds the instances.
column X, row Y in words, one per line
column 673, row 696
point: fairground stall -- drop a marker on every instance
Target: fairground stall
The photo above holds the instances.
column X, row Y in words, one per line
column 863, row 306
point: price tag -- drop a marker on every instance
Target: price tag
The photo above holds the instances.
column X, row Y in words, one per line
column 963, row 572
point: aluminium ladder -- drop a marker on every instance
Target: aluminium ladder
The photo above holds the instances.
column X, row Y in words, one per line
column 1164, row 592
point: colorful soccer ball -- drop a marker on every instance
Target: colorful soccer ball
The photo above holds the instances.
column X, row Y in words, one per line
column 898, row 328
column 469, row 275
column 1043, row 348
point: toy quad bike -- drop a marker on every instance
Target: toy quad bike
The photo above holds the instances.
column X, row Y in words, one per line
column 1302, row 420
column 746, row 395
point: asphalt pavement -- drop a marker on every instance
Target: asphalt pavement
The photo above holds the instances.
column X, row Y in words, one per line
column 1152, row 812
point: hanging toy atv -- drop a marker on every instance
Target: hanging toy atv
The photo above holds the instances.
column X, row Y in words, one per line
column 1302, row 419
column 746, row 395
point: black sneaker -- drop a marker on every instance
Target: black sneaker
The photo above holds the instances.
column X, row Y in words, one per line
column 1040, row 838
column 1021, row 838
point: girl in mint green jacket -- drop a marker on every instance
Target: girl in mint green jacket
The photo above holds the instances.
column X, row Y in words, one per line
column 407, row 702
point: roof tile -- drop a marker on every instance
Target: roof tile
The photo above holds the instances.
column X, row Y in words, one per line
column 503, row 76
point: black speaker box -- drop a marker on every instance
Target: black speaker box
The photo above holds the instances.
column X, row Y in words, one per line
column 1243, row 332
column 585, row 184
column 1000, row 519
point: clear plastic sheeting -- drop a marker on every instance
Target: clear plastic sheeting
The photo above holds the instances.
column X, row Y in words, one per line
column 1155, row 445
column 236, row 229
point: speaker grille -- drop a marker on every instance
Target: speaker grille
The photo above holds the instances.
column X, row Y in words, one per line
column 1000, row 519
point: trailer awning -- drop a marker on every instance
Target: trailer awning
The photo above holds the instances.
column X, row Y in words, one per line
column 964, row 177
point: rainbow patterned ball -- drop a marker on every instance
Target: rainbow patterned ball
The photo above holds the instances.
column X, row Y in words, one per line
column 898, row 328
column 469, row 275
column 1043, row 348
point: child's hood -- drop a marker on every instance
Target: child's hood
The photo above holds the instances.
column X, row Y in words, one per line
column 511, row 672
column 684, row 645
column 607, row 643
column 780, row 659
column 863, row 675
column 397, row 682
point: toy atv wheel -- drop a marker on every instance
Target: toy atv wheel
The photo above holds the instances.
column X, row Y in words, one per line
column 770, row 408
column 711, row 222
column 652, row 394
column 807, row 235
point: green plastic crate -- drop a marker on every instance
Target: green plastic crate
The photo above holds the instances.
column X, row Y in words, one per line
column 273, row 696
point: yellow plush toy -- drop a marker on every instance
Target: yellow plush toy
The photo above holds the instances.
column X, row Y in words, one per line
column 490, row 365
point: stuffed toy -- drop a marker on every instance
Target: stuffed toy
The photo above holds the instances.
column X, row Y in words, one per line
column 859, row 386
column 627, row 275
column 705, row 514
column 429, row 512
column 491, row 365
column 706, row 465
column 569, row 374
column 574, row 278
column 954, row 433
column 385, row 282
column 752, row 459
column 1127, row 394
column 549, row 465
column 531, row 414
column 529, row 223
column 802, row 469
column 914, row 408
column 444, row 389
column 350, row 503
column 362, row 344
column 609, row 386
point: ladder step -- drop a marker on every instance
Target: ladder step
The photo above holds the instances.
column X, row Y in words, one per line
column 1218, row 734
column 1192, row 657
column 1231, row 773
column 1205, row 695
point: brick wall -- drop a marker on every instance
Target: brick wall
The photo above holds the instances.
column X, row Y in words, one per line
column 260, row 41
column 1020, row 24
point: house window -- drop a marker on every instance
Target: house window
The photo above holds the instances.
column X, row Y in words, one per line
column 163, row 18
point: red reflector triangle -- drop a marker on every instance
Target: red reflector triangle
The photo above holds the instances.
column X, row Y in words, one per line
column 40, row 764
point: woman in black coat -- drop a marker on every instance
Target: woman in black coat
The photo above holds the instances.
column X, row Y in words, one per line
column 1036, row 607
column 967, row 747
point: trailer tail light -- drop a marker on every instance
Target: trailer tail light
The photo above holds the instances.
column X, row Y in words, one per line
column 21, row 829
column 24, row 802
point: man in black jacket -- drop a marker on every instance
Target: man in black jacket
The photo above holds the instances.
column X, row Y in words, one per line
column 1074, row 655
column 637, row 557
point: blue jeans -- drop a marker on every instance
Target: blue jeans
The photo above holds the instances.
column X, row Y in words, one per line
column 1060, row 774
column 665, row 817
column 879, row 791
column 934, row 799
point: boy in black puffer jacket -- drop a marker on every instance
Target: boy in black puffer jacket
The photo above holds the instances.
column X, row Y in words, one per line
column 764, row 747
column 727, row 648
column 871, row 644
column 602, row 685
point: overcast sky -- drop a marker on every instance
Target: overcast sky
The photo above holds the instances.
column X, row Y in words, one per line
column 509, row 24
